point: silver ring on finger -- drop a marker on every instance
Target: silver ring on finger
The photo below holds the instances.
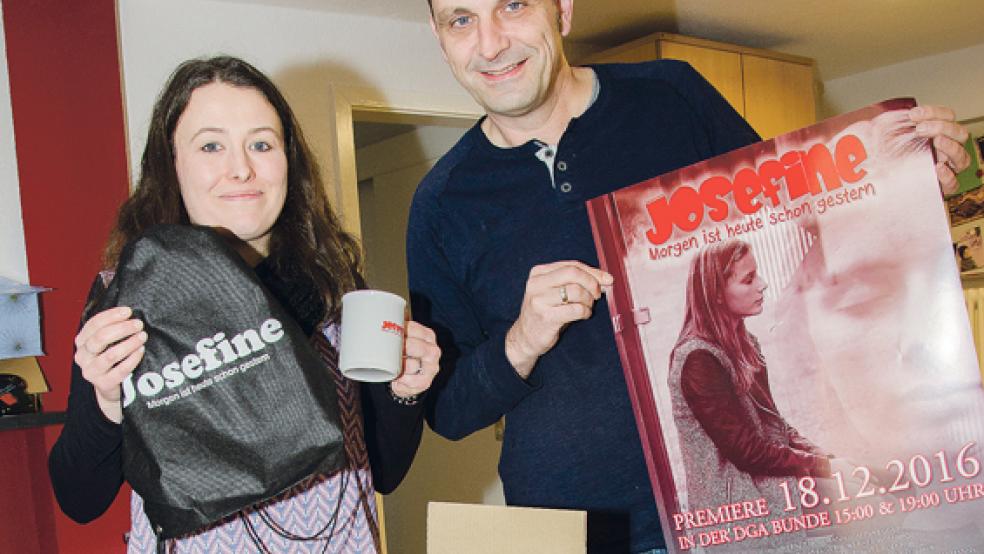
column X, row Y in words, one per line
column 420, row 365
column 563, row 295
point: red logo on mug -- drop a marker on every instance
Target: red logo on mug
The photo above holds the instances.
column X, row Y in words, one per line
column 391, row 327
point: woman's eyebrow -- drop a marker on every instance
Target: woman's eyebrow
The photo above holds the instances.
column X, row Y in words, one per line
column 252, row 131
column 262, row 129
column 208, row 130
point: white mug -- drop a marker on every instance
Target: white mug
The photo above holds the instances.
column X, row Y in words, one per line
column 373, row 327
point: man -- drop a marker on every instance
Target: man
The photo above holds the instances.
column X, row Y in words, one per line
column 502, row 262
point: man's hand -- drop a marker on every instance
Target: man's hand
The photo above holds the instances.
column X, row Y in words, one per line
column 556, row 294
column 939, row 124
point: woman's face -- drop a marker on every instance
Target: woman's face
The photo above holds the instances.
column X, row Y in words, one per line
column 230, row 161
column 743, row 289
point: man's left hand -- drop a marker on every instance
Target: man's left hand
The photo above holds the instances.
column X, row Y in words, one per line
column 939, row 124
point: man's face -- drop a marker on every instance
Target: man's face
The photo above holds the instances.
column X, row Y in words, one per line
column 505, row 53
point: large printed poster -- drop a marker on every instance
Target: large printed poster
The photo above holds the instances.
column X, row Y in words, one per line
column 792, row 327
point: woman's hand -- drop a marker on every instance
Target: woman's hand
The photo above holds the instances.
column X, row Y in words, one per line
column 108, row 348
column 421, row 356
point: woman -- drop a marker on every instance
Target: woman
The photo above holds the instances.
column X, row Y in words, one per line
column 735, row 444
column 224, row 150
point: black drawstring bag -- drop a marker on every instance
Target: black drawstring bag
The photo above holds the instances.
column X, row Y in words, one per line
column 231, row 405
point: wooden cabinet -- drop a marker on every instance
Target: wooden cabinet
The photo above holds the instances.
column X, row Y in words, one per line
column 774, row 91
column 778, row 94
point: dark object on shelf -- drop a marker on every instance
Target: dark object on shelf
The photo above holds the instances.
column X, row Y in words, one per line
column 31, row 421
column 14, row 398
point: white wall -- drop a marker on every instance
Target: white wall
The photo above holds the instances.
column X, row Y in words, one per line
column 13, row 255
column 304, row 52
column 954, row 79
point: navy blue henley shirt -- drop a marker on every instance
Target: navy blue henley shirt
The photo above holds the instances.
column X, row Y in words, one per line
column 481, row 219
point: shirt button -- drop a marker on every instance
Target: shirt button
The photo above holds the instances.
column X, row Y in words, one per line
column 565, row 187
column 548, row 153
column 562, row 165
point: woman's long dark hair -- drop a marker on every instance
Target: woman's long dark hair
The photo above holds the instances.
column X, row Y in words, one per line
column 307, row 240
column 708, row 316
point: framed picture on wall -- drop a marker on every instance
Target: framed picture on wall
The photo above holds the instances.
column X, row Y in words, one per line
column 968, row 246
column 966, row 206
column 968, row 202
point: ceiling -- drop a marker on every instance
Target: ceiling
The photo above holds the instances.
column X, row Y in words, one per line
column 843, row 36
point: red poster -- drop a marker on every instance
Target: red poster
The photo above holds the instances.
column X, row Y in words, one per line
column 794, row 336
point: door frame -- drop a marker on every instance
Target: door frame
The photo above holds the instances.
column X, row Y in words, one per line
column 350, row 104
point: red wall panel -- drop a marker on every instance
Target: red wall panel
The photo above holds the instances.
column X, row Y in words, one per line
column 65, row 90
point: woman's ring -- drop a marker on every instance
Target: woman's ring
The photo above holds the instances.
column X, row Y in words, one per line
column 563, row 294
column 420, row 365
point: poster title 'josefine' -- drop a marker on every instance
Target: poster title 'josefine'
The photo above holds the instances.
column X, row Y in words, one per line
column 800, row 171
column 212, row 353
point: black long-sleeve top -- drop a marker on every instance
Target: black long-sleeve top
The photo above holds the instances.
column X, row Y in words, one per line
column 85, row 464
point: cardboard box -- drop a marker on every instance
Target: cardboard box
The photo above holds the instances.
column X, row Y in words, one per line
column 480, row 529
